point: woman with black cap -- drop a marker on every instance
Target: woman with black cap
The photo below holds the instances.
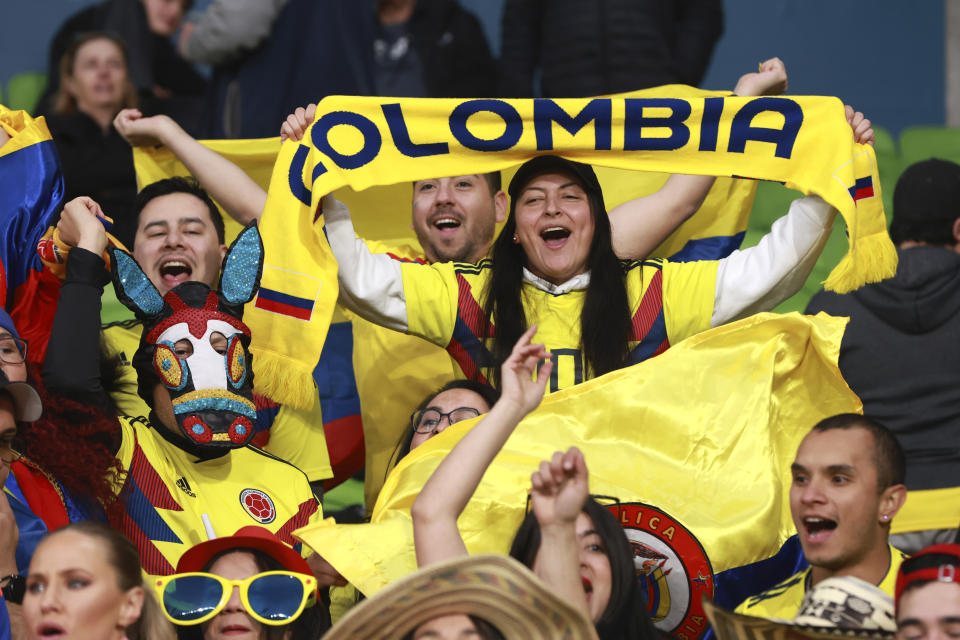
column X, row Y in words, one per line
column 554, row 265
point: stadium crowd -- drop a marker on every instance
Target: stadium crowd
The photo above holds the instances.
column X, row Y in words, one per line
column 154, row 489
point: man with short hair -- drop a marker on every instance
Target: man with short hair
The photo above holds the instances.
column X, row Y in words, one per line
column 900, row 350
column 928, row 594
column 847, row 487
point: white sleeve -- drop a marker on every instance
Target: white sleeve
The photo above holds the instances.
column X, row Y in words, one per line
column 761, row 277
column 371, row 284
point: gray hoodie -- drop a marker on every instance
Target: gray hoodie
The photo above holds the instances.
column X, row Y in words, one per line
column 901, row 355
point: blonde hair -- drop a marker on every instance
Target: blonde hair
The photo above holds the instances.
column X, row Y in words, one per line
column 63, row 101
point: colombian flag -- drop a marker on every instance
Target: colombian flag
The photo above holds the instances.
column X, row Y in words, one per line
column 702, row 485
column 31, row 188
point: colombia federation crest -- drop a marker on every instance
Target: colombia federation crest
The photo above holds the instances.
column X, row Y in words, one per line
column 673, row 570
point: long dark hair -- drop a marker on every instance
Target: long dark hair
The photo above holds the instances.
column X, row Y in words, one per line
column 485, row 391
column 626, row 616
column 310, row 625
column 605, row 318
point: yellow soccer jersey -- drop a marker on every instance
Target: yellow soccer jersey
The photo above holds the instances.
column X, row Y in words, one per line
column 668, row 302
column 783, row 601
column 166, row 490
column 406, row 365
column 295, row 435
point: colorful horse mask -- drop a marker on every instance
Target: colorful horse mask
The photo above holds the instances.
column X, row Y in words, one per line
column 196, row 346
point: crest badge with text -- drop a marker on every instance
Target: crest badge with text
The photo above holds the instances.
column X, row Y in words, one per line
column 672, row 569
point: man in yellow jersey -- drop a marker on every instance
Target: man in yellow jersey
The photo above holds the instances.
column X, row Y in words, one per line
column 180, row 238
column 189, row 466
column 847, row 487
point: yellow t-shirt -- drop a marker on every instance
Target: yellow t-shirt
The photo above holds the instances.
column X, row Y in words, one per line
column 166, row 490
column 668, row 302
column 296, row 435
column 783, row 601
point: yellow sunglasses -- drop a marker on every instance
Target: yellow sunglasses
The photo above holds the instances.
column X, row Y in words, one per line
column 271, row 597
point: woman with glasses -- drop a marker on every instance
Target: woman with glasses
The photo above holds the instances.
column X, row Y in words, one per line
column 248, row 586
column 569, row 540
column 85, row 582
column 455, row 401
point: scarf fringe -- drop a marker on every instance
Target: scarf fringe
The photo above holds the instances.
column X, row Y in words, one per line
column 284, row 380
column 870, row 259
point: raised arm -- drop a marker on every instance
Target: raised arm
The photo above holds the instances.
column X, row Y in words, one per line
column 448, row 490
column 557, row 493
column 228, row 184
column 761, row 277
column 72, row 364
column 640, row 225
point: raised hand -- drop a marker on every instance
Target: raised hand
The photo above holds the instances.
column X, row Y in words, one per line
column 519, row 386
column 862, row 129
column 770, row 80
column 297, row 122
column 80, row 225
column 559, row 488
column 143, row 132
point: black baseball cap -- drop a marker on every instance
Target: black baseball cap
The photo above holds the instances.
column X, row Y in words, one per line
column 928, row 191
column 549, row 164
column 26, row 401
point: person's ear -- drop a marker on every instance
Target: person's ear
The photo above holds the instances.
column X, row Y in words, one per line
column 891, row 500
column 956, row 231
column 500, row 205
column 131, row 607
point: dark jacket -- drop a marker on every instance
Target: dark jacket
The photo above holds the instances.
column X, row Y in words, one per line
column 453, row 50
column 316, row 48
column 596, row 47
column 99, row 165
column 901, row 355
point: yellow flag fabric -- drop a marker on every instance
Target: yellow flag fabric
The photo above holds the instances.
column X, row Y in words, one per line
column 710, row 474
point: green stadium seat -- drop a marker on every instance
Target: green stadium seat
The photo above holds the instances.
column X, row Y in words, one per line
column 25, row 89
column 889, row 165
column 771, row 202
column 922, row 142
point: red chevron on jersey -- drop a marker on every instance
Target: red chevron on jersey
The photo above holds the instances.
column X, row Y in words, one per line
column 297, row 521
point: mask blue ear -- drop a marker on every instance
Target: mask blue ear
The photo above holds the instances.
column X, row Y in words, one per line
column 242, row 267
column 133, row 287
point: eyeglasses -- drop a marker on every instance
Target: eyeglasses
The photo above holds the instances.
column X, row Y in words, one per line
column 272, row 598
column 9, row 455
column 13, row 350
column 428, row 420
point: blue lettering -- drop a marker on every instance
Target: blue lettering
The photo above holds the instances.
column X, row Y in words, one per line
column 555, row 359
column 510, row 136
column 401, row 137
column 548, row 112
column 295, row 177
column 634, row 122
column 371, row 138
column 712, row 109
column 741, row 130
